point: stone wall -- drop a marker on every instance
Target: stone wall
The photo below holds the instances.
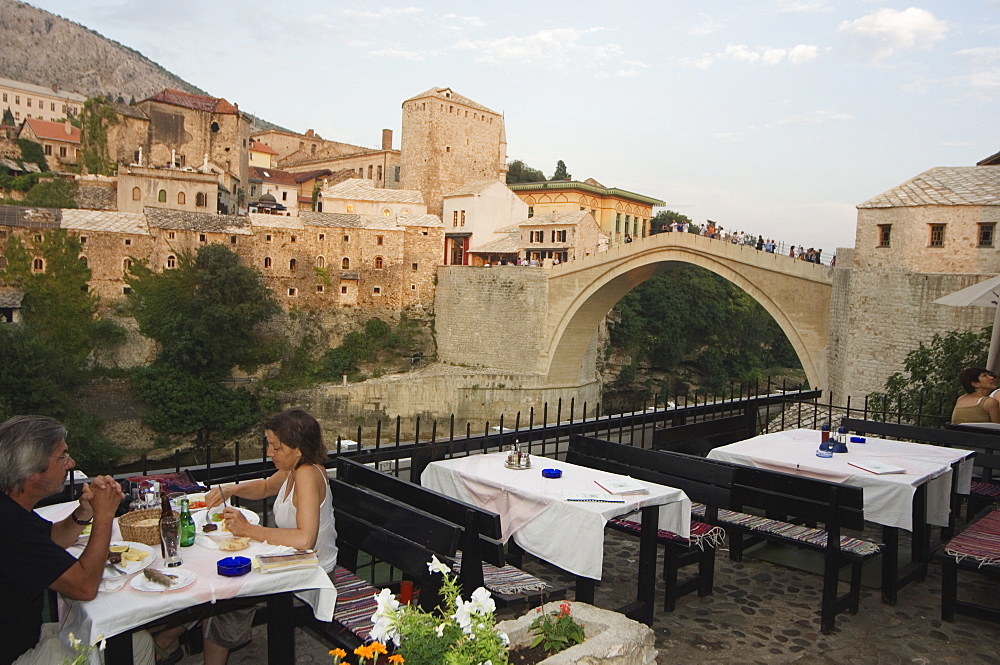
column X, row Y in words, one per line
column 476, row 307
column 96, row 193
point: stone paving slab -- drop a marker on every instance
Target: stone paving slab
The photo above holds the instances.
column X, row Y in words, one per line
column 763, row 613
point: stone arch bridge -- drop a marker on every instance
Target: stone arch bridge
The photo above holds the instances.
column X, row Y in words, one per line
column 543, row 323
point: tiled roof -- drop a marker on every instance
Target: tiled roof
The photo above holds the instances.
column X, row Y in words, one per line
column 506, row 245
column 447, row 95
column 31, row 217
column 550, row 218
column 944, row 185
column 130, row 110
column 275, row 221
column 361, row 189
column 992, row 160
column 195, row 102
column 273, row 175
column 331, row 219
column 10, row 297
column 429, row 221
column 471, row 188
column 260, row 146
column 309, row 175
column 53, row 131
column 181, row 220
column 43, row 90
column 105, row 220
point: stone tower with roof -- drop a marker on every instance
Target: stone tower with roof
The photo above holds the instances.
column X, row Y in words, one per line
column 449, row 141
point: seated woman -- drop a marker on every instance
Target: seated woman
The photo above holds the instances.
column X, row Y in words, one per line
column 303, row 515
column 976, row 406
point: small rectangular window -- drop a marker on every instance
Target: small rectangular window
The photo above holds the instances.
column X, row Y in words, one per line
column 322, row 236
column 986, row 234
column 292, row 292
column 937, row 235
column 202, row 237
column 343, row 290
column 319, row 288
column 531, row 211
column 377, row 291
column 171, row 235
column 128, row 242
column 267, row 237
column 294, row 238
column 379, row 240
column 347, row 238
column 232, row 240
column 884, row 234
column 414, row 266
column 83, row 240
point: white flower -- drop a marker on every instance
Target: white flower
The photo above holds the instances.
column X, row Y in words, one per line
column 387, row 604
column 482, row 603
column 436, row 566
column 384, row 630
column 73, row 642
column 463, row 615
column 440, row 629
column 503, row 638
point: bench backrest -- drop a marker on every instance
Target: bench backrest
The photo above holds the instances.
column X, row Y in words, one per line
column 703, row 481
column 480, row 528
column 699, row 438
column 393, row 532
column 986, row 445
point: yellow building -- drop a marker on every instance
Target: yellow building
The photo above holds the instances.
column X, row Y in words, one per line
column 618, row 212
column 26, row 100
column 60, row 141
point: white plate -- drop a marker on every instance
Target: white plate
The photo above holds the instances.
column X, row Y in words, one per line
column 131, row 567
column 199, row 496
column 204, row 516
column 185, row 578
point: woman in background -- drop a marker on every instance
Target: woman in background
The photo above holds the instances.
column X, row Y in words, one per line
column 976, row 406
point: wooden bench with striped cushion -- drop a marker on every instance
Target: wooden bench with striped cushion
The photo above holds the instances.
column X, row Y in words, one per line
column 700, row 479
column 976, row 549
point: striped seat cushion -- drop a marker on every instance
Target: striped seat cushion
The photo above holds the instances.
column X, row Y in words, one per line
column 355, row 602
column 980, row 542
column 796, row 532
column 982, row 488
column 701, row 533
column 506, row 581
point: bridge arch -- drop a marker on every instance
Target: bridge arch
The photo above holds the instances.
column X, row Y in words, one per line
column 582, row 292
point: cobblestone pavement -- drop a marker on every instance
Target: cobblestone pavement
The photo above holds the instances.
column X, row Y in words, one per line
column 767, row 613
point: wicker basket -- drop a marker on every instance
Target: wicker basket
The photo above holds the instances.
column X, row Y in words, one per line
column 147, row 535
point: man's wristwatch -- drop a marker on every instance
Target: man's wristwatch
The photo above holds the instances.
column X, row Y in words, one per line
column 79, row 521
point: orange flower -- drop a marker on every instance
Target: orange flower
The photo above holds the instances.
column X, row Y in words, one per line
column 396, row 658
column 364, row 651
column 378, row 647
column 339, row 653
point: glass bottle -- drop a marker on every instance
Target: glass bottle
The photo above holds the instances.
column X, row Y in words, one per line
column 187, row 528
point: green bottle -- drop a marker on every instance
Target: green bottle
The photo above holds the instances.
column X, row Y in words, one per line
column 186, row 526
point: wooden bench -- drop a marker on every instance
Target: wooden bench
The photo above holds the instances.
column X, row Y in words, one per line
column 388, row 531
column 481, row 560
column 705, row 482
column 977, row 550
column 790, row 504
column 699, row 438
column 984, row 490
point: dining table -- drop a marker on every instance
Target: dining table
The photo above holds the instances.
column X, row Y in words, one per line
column 537, row 514
column 120, row 608
column 916, row 496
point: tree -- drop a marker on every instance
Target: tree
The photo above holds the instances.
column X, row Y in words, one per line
column 664, row 218
column 207, row 315
column 560, row 173
column 32, row 152
column 928, row 386
column 518, row 171
column 8, row 117
column 95, row 119
column 53, row 193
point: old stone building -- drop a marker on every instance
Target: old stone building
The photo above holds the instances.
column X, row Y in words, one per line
column 179, row 189
column 556, row 236
column 448, row 142
column 315, row 260
column 298, row 153
column 27, row 100
column 262, row 155
column 60, row 141
column 361, row 196
column 618, row 212
column 473, row 213
column 926, row 238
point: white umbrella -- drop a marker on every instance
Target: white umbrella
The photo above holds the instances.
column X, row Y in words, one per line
column 983, row 294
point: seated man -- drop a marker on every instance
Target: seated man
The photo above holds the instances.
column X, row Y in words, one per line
column 34, row 460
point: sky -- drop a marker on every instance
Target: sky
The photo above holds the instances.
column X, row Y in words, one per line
column 776, row 117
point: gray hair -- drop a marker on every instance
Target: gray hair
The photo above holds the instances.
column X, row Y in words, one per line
column 26, row 442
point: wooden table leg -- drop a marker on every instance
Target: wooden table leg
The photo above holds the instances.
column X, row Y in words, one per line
column 585, row 590
column 890, row 564
column 642, row 609
column 280, row 629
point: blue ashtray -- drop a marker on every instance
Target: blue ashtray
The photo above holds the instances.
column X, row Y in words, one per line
column 552, row 473
column 857, row 439
column 824, row 453
column 233, row 566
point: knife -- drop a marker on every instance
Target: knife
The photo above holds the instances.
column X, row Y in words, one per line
column 113, row 568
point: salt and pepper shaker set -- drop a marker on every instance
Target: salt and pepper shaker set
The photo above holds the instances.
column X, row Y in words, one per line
column 518, row 459
column 835, row 442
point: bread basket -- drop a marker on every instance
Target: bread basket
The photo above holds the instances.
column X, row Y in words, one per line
column 147, row 535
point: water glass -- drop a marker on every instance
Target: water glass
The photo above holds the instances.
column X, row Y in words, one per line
column 170, row 541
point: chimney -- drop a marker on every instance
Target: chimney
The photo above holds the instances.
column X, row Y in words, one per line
column 55, row 87
column 69, row 127
column 309, row 132
column 387, row 139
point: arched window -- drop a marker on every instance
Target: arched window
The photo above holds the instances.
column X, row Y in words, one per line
column 378, row 263
column 386, row 212
column 267, row 261
column 171, row 261
column 291, row 264
column 405, row 211
column 320, row 262
column 162, row 196
column 181, row 198
column 136, row 194
column 83, row 260
column 345, row 264
column 38, row 265
column 201, row 200
column 126, row 265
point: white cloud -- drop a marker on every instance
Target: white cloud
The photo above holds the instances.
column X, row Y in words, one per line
column 544, row 46
column 456, row 22
column 768, row 56
column 812, row 118
column 803, row 5
column 983, row 81
column 384, row 13
column 706, row 26
column 885, row 31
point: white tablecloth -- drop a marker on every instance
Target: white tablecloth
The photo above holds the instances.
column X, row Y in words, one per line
column 112, row 613
column 533, row 511
column 888, row 498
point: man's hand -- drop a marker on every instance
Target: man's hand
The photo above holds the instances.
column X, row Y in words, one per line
column 101, row 492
